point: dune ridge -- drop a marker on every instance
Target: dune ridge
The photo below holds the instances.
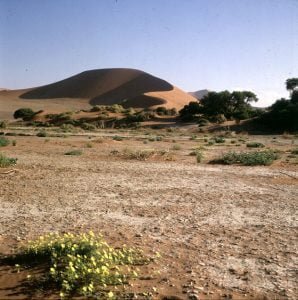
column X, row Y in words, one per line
column 128, row 87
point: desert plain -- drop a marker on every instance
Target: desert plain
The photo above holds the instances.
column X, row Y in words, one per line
column 223, row 232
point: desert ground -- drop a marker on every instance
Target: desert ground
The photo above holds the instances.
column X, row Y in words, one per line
column 223, row 232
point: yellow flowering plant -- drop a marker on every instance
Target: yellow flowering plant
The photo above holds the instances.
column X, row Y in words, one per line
column 83, row 263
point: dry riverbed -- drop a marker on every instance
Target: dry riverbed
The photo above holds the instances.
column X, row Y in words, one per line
column 223, row 231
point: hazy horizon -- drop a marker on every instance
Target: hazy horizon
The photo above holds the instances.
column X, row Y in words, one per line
column 214, row 45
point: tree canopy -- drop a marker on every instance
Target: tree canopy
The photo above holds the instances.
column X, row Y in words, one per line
column 292, row 84
column 232, row 105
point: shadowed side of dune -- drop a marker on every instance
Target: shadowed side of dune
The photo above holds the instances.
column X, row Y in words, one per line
column 144, row 101
column 134, row 89
column 105, row 86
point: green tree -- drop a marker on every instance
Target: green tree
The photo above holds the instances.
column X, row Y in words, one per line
column 292, row 84
column 24, row 113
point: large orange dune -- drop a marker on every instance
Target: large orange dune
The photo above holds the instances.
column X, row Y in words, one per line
column 128, row 87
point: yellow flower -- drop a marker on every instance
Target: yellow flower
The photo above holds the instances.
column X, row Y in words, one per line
column 110, row 294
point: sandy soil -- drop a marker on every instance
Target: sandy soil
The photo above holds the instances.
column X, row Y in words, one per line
column 223, row 231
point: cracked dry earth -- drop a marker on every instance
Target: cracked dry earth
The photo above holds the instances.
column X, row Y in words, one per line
column 224, row 232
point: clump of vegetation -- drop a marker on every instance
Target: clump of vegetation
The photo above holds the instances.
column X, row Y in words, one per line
column 67, row 128
column 4, row 141
column 283, row 114
column 14, row 143
column 76, row 152
column 143, row 154
column 198, row 154
column 163, row 111
column 219, row 140
column 42, row 133
column 248, row 158
column 255, row 145
column 7, row 161
column 294, row 151
column 139, row 154
column 176, row 147
column 26, row 114
column 81, row 264
column 218, row 107
column 202, row 122
column 88, row 126
column 117, row 138
column 3, row 124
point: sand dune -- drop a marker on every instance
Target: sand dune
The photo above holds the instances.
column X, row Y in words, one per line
column 129, row 87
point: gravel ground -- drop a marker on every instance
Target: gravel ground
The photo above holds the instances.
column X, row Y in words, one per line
column 226, row 231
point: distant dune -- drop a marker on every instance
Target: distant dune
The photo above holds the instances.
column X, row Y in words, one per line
column 129, row 87
column 199, row 94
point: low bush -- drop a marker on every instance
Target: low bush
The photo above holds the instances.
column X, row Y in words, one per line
column 176, row 147
column 74, row 152
column 117, row 138
column 255, row 145
column 294, row 151
column 163, row 111
column 3, row 124
column 4, row 141
column 248, row 158
column 42, row 133
column 139, row 154
column 198, row 154
column 219, row 140
column 7, row 161
column 202, row 122
column 143, row 154
column 87, row 126
column 24, row 113
column 80, row 264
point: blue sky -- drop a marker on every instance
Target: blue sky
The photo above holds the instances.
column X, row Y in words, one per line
column 194, row 44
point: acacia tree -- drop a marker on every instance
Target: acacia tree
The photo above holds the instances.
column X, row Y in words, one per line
column 292, row 84
column 231, row 105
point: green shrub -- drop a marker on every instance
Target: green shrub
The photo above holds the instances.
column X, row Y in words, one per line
column 117, row 138
column 74, row 152
column 24, row 113
column 255, row 145
column 3, row 124
column 87, row 126
column 199, row 156
column 248, row 158
column 176, row 147
column 219, row 139
column 116, row 108
column 67, row 128
column 139, row 154
column 42, row 133
column 81, row 264
column 4, row 141
column 6, row 161
column 202, row 122
column 95, row 108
